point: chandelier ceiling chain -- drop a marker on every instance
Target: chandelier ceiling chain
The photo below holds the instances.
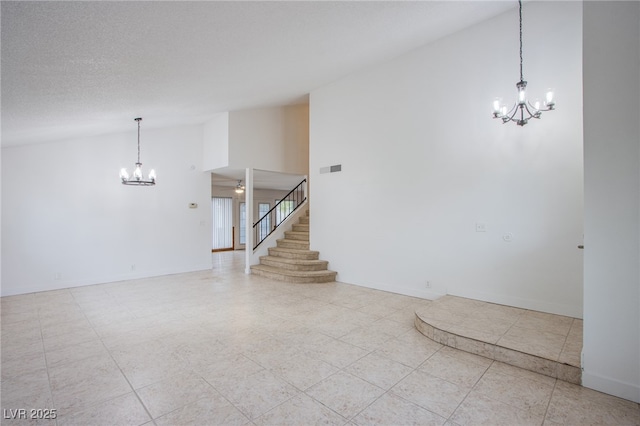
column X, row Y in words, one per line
column 137, row 178
column 520, row 15
column 525, row 108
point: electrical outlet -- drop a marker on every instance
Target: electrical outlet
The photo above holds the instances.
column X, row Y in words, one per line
column 428, row 284
column 133, row 267
column 57, row 276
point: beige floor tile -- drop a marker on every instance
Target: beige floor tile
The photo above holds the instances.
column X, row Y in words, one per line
column 510, row 370
column 20, row 333
column 335, row 327
column 67, row 327
column 148, row 363
column 29, row 390
column 525, row 394
column 490, row 326
column 65, row 340
column 104, row 317
column 480, row 333
column 453, row 369
column 123, row 410
column 369, row 337
column 410, row 351
column 534, row 341
column 466, row 356
column 227, row 369
column 86, row 382
column 300, row 410
column 526, row 361
column 378, row 310
column 392, row 327
column 345, row 393
column 56, row 314
column 207, row 411
column 17, row 366
column 258, row 393
column 19, row 323
column 406, row 317
column 390, row 409
column 302, row 371
column 175, row 392
column 258, row 343
column 478, row 409
column 572, row 404
column 430, row 392
column 378, row 370
column 335, row 352
column 542, row 321
column 70, row 354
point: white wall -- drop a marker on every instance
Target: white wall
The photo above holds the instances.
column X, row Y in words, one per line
column 215, row 144
column 68, row 221
column 274, row 139
column 611, row 352
column 423, row 162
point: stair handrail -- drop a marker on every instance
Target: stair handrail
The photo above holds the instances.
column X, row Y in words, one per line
column 297, row 195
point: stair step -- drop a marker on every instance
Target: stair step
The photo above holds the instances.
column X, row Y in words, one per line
column 294, row 264
column 304, row 227
column 293, row 244
column 290, row 253
column 294, row 276
column 304, row 220
column 295, row 235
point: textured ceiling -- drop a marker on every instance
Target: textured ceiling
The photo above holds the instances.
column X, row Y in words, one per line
column 75, row 69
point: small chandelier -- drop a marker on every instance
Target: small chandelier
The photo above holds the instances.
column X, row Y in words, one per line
column 239, row 187
column 136, row 178
column 522, row 110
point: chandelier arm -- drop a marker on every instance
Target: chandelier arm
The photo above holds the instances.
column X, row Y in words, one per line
column 511, row 114
column 539, row 109
column 537, row 112
column 531, row 115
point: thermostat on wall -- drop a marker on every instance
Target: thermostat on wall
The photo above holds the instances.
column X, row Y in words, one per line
column 193, row 205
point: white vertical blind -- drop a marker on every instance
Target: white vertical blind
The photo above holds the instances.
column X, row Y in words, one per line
column 222, row 222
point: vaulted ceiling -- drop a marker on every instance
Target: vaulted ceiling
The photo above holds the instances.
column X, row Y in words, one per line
column 76, row 69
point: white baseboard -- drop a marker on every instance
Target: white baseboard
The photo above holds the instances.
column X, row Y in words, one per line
column 62, row 284
column 611, row 386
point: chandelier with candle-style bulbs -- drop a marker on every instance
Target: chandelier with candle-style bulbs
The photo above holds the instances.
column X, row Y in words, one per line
column 522, row 111
column 137, row 178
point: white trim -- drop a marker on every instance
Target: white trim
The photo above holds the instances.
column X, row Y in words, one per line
column 611, row 386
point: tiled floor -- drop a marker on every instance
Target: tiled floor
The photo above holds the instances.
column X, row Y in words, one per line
column 544, row 343
column 222, row 347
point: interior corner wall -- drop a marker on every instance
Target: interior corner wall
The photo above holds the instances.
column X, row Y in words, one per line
column 273, row 139
column 611, row 350
column 215, row 143
column 425, row 168
column 68, row 221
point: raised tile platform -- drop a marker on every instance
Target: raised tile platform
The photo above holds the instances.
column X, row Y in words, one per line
column 545, row 343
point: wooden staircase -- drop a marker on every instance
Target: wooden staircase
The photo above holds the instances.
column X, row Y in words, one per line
column 292, row 261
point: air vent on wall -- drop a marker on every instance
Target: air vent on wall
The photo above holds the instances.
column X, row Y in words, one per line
column 331, row 169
